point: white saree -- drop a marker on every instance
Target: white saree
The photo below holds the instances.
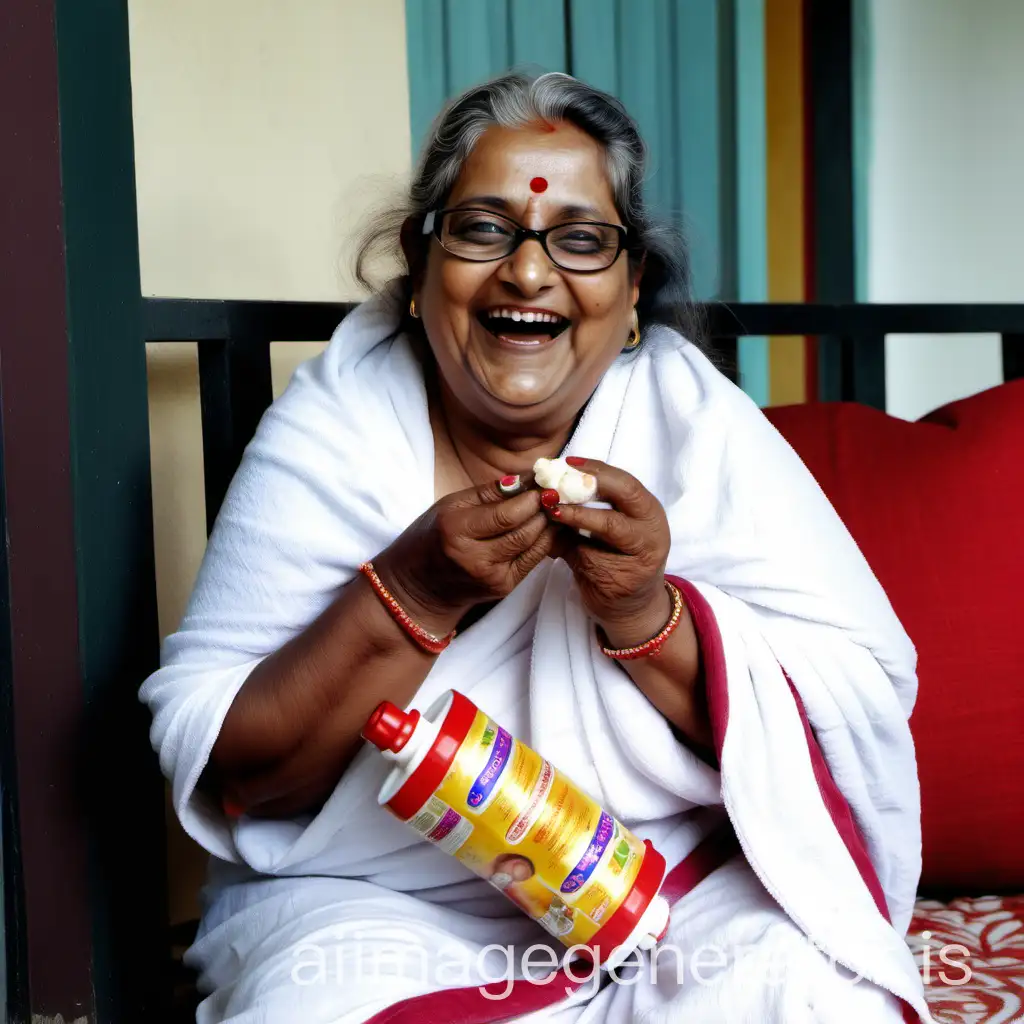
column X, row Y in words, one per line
column 338, row 916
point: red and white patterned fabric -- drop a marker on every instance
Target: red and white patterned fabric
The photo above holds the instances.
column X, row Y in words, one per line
column 971, row 956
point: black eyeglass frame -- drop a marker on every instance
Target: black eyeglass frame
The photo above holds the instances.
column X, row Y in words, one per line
column 434, row 221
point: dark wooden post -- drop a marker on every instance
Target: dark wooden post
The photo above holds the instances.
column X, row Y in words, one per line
column 235, row 389
column 1013, row 356
column 84, row 872
column 848, row 368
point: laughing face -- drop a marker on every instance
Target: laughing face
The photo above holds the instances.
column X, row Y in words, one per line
column 520, row 342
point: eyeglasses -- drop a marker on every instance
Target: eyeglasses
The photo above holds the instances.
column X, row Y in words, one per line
column 582, row 247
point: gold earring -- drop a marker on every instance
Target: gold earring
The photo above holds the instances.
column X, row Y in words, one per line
column 412, row 309
column 634, row 333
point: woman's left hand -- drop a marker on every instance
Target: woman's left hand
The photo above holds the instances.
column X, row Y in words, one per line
column 620, row 568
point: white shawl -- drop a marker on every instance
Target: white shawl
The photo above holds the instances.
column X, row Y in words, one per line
column 343, row 462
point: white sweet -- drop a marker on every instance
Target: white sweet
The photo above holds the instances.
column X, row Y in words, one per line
column 574, row 487
column 549, row 471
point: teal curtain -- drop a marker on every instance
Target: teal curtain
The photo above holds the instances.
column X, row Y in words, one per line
column 452, row 44
column 751, row 184
column 690, row 72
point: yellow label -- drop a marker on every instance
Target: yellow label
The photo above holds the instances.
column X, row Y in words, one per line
column 514, row 819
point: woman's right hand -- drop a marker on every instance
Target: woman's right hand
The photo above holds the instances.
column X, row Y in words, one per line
column 469, row 548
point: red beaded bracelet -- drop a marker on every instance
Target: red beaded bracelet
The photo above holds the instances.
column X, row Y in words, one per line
column 427, row 641
column 652, row 646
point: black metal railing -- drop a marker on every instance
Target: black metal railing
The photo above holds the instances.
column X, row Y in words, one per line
column 235, row 339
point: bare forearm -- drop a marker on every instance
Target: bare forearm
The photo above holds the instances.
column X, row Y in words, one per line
column 672, row 680
column 294, row 726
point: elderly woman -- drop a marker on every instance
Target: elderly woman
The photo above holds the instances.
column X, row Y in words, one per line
column 540, row 317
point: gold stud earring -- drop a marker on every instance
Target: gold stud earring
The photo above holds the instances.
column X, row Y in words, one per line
column 412, row 309
column 634, row 333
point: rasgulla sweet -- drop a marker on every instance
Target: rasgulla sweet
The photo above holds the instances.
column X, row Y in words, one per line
column 574, row 487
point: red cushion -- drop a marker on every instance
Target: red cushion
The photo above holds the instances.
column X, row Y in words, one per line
column 937, row 507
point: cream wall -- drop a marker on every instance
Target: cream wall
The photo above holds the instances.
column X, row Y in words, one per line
column 265, row 133
column 262, row 131
column 945, row 206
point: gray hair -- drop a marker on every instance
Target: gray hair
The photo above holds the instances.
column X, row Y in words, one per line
column 516, row 100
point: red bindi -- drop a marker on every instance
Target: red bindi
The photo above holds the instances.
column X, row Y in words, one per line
column 539, row 184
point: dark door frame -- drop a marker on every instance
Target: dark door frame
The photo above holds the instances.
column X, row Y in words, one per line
column 83, row 804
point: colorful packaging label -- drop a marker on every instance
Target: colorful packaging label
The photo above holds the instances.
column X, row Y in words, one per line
column 442, row 825
column 484, row 786
column 595, row 851
column 510, row 816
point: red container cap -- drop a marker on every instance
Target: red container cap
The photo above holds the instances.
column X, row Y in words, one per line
column 616, row 929
column 389, row 727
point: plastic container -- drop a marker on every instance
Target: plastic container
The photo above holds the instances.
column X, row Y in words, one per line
column 466, row 785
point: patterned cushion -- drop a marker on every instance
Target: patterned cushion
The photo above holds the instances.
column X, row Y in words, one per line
column 971, row 956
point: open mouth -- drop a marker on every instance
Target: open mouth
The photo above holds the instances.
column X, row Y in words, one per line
column 523, row 328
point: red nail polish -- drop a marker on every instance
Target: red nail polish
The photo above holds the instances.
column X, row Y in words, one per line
column 549, row 498
column 575, row 460
column 555, row 513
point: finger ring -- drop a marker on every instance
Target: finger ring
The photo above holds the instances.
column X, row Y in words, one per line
column 509, row 484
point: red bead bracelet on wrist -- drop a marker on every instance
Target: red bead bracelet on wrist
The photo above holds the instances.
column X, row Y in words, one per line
column 426, row 641
column 654, row 645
